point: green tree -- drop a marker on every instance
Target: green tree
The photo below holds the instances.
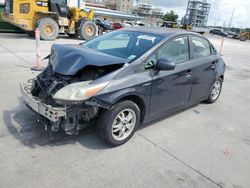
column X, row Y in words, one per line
column 170, row 16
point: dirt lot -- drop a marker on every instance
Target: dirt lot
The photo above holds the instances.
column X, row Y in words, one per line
column 203, row 146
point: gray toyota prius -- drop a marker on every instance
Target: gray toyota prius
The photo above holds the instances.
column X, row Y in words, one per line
column 123, row 78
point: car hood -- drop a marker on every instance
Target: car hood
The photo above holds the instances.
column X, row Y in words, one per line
column 69, row 59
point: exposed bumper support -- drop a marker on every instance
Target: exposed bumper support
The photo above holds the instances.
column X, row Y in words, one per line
column 49, row 112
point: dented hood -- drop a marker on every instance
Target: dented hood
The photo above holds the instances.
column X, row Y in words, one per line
column 69, row 59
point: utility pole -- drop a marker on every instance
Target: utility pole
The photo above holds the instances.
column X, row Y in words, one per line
column 231, row 19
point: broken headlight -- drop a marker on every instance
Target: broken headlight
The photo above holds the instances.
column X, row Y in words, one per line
column 78, row 92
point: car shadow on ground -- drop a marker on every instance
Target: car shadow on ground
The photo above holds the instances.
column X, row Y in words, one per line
column 22, row 123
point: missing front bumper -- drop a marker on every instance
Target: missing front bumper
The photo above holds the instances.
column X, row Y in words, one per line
column 53, row 114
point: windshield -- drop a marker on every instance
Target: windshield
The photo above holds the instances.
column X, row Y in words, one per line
column 128, row 45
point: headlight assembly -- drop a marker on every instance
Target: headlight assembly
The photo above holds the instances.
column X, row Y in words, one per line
column 78, row 92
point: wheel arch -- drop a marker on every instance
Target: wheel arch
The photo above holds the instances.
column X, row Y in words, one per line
column 137, row 100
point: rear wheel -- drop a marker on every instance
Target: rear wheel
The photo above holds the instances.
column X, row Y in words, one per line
column 87, row 30
column 215, row 91
column 117, row 125
column 49, row 29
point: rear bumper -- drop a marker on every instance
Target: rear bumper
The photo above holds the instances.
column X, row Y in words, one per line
column 51, row 113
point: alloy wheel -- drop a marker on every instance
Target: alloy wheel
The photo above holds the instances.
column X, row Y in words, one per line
column 216, row 90
column 123, row 124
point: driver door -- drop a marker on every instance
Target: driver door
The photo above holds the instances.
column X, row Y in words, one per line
column 171, row 89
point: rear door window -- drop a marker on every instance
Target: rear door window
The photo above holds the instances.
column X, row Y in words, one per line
column 176, row 50
column 201, row 47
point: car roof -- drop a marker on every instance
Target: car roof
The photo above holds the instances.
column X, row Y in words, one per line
column 160, row 30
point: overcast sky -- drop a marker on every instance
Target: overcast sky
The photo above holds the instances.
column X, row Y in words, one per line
column 220, row 12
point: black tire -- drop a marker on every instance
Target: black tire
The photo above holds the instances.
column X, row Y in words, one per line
column 49, row 29
column 211, row 98
column 87, row 30
column 108, row 117
column 243, row 38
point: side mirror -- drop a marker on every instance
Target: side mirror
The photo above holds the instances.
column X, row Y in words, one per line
column 163, row 64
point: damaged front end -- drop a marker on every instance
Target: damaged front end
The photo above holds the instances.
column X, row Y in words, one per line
column 71, row 117
column 67, row 101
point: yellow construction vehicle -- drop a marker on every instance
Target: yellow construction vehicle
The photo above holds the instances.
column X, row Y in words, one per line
column 244, row 36
column 51, row 17
column 175, row 25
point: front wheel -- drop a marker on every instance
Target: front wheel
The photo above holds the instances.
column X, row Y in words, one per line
column 117, row 125
column 214, row 91
column 49, row 29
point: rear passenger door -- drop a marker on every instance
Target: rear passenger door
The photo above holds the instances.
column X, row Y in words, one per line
column 203, row 72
